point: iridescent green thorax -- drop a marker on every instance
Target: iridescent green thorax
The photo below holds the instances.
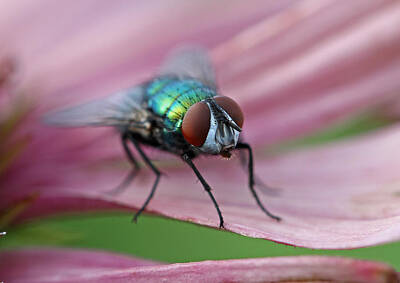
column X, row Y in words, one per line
column 170, row 98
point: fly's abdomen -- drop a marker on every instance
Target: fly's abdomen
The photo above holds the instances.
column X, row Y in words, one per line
column 171, row 98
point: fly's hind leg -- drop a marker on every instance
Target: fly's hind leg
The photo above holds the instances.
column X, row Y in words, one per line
column 154, row 169
column 189, row 161
column 246, row 146
column 135, row 170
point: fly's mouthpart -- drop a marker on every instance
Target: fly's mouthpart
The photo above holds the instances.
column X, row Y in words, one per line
column 228, row 148
column 225, row 136
column 226, row 153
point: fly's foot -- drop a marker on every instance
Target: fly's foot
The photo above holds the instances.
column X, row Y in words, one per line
column 277, row 218
column 135, row 217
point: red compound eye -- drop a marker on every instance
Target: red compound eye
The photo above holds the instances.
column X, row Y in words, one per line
column 196, row 123
column 232, row 108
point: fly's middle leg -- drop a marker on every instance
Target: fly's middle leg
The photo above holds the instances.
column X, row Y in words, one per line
column 189, row 161
column 132, row 174
column 153, row 168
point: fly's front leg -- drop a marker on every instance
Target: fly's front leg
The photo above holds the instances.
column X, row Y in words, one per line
column 135, row 170
column 153, row 168
column 271, row 191
column 246, row 146
column 189, row 161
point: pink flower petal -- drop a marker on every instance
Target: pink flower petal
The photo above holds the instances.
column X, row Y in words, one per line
column 299, row 65
column 335, row 72
column 64, row 265
column 302, row 67
column 118, row 41
column 335, row 197
column 312, row 64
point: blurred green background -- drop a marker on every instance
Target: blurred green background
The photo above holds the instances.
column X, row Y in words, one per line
column 166, row 240
column 175, row 241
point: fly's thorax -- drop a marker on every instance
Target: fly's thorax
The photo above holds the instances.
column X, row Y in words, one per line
column 141, row 122
column 213, row 125
column 170, row 99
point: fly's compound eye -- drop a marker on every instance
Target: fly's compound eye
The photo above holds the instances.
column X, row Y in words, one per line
column 232, row 108
column 196, row 123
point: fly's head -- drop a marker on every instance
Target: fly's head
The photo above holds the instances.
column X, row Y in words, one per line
column 213, row 125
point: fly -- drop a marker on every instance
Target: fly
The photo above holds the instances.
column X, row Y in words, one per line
column 179, row 111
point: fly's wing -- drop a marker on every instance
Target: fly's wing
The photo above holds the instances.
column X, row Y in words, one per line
column 119, row 110
column 190, row 62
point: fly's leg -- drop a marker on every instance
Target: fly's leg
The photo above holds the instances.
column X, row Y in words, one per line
column 271, row 191
column 135, row 170
column 251, row 179
column 189, row 161
column 154, row 169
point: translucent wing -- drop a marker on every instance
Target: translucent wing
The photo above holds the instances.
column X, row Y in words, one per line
column 119, row 110
column 190, row 62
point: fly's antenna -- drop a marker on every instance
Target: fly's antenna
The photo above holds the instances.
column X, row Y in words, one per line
column 220, row 114
column 232, row 124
